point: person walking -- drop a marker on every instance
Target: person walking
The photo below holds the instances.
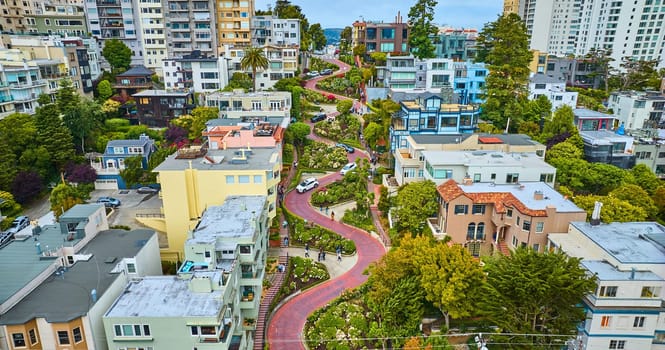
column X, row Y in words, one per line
column 307, row 250
column 332, row 215
column 339, row 257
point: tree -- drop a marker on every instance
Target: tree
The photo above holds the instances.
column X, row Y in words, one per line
column 344, row 106
column 379, row 58
column 452, row 280
column 66, row 97
column 659, row 200
column 27, row 186
column 504, row 46
column 638, row 197
column 239, row 80
column 421, row 18
column 80, row 173
column 54, row 136
column 254, row 59
column 317, row 36
column 65, row 196
column 614, row 209
column 415, row 202
column 117, row 54
column 645, row 178
column 560, row 123
column 300, row 131
column 372, row 133
column 83, row 120
column 200, row 116
column 133, row 173
column 600, row 59
column 175, row 134
column 104, row 90
column 345, row 38
column 535, row 293
column 359, row 50
column 640, row 74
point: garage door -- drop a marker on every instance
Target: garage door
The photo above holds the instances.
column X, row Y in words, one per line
column 106, row 184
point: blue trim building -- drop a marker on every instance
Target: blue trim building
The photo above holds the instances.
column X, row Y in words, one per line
column 113, row 160
column 469, row 82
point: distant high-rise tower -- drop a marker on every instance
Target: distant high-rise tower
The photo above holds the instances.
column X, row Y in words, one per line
column 191, row 27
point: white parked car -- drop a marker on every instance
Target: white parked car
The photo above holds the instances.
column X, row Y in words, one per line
column 347, row 168
column 307, row 184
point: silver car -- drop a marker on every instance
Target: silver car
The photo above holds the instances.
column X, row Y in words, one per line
column 307, row 184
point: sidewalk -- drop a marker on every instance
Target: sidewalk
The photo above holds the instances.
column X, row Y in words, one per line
column 335, row 268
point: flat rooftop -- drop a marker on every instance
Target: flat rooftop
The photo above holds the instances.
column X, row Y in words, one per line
column 524, row 192
column 260, row 159
column 584, row 113
column 606, row 272
column 64, row 297
column 486, row 158
column 217, row 95
column 165, row 296
column 509, row 139
column 628, row 242
column 149, row 93
column 235, row 218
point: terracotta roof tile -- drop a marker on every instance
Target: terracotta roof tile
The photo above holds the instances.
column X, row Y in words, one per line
column 450, row 190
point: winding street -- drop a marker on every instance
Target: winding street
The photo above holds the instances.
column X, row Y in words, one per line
column 286, row 325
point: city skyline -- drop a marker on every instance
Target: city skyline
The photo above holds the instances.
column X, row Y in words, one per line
column 470, row 14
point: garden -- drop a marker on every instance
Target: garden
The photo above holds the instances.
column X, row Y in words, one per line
column 345, row 128
column 320, row 156
column 343, row 84
column 340, row 191
column 316, row 236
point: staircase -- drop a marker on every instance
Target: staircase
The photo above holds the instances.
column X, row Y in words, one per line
column 259, row 333
column 503, row 248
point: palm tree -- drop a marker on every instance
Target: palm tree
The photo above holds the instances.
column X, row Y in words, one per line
column 254, row 59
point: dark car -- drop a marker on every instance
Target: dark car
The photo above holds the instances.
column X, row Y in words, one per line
column 319, row 117
column 348, row 148
column 6, row 237
column 326, row 71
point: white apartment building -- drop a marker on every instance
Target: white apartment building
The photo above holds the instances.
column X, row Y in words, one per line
column 627, row 28
column 270, row 30
column 153, row 30
column 240, row 104
column 196, row 72
column 554, row 88
column 628, row 259
column 637, row 110
column 282, row 63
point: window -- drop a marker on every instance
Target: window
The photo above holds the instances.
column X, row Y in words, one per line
column 605, row 321
column 131, row 268
column 540, row 226
column 194, row 330
column 493, row 176
column 476, row 177
column 206, row 254
column 76, row 334
column 33, row 336
column 608, row 291
column 536, row 247
column 639, row 321
column 258, row 179
column 470, row 231
column 245, row 249
column 146, row 330
column 208, row 330
column 617, row 344
column 478, row 209
column 540, row 86
column 509, row 213
column 526, row 225
column 650, row 292
column 230, row 179
column 63, row 337
column 512, row 178
column 243, row 179
column 18, row 339
column 461, row 209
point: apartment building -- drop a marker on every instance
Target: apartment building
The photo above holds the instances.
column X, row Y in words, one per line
column 638, row 110
column 410, row 158
column 57, row 17
column 378, row 36
column 116, row 19
column 190, row 25
column 241, row 158
column 152, row 25
column 156, row 108
column 649, row 149
column 271, row 30
column 234, row 22
column 589, row 120
column 469, row 81
column 625, row 311
column 213, row 301
column 489, row 218
column 431, row 114
column 64, row 276
column 552, row 86
column 573, row 27
column 238, row 104
column 603, row 146
column 196, row 72
column 282, row 63
column 458, row 44
column 23, row 82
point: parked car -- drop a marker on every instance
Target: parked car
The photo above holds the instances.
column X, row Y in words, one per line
column 347, row 168
column 326, row 71
column 348, row 148
column 18, row 224
column 318, row 117
column 6, row 237
column 307, row 184
column 109, row 202
column 312, row 74
column 146, row 190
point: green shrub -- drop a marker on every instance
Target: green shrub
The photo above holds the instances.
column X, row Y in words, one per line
column 359, row 220
column 316, row 236
column 320, row 156
column 339, row 191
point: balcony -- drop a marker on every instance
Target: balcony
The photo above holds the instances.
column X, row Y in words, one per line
column 217, row 338
column 106, row 3
column 25, row 84
column 101, row 170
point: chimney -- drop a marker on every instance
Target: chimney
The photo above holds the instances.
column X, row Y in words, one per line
column 595, row 216
column 538, row 195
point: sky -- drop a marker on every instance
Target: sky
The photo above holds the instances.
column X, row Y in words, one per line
column 342, row 13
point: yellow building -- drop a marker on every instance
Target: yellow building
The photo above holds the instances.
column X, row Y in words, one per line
column 193, row 179
column 511, row 6
column 233, row 22
column 538, row 63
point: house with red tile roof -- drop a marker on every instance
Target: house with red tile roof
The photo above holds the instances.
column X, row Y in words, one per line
column 489, row 218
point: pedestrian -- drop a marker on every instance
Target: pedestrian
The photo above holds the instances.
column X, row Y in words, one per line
column 339, row 257
column 332, row 215
column 286, row 241
column 323, row 255
column 321, row 207
column 318, row 258
column 327, row 208
column 307, row 250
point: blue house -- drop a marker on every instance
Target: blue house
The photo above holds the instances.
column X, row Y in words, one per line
column 469, row 81
column 113, row 160
column 429, row 114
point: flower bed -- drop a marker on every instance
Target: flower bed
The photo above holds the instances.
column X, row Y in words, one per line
column 316, row 236
column 320, row 156
column 338, row 130
column 339, row 191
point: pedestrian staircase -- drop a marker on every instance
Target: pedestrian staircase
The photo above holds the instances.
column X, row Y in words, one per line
column 266, row 300
column 503, row 248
